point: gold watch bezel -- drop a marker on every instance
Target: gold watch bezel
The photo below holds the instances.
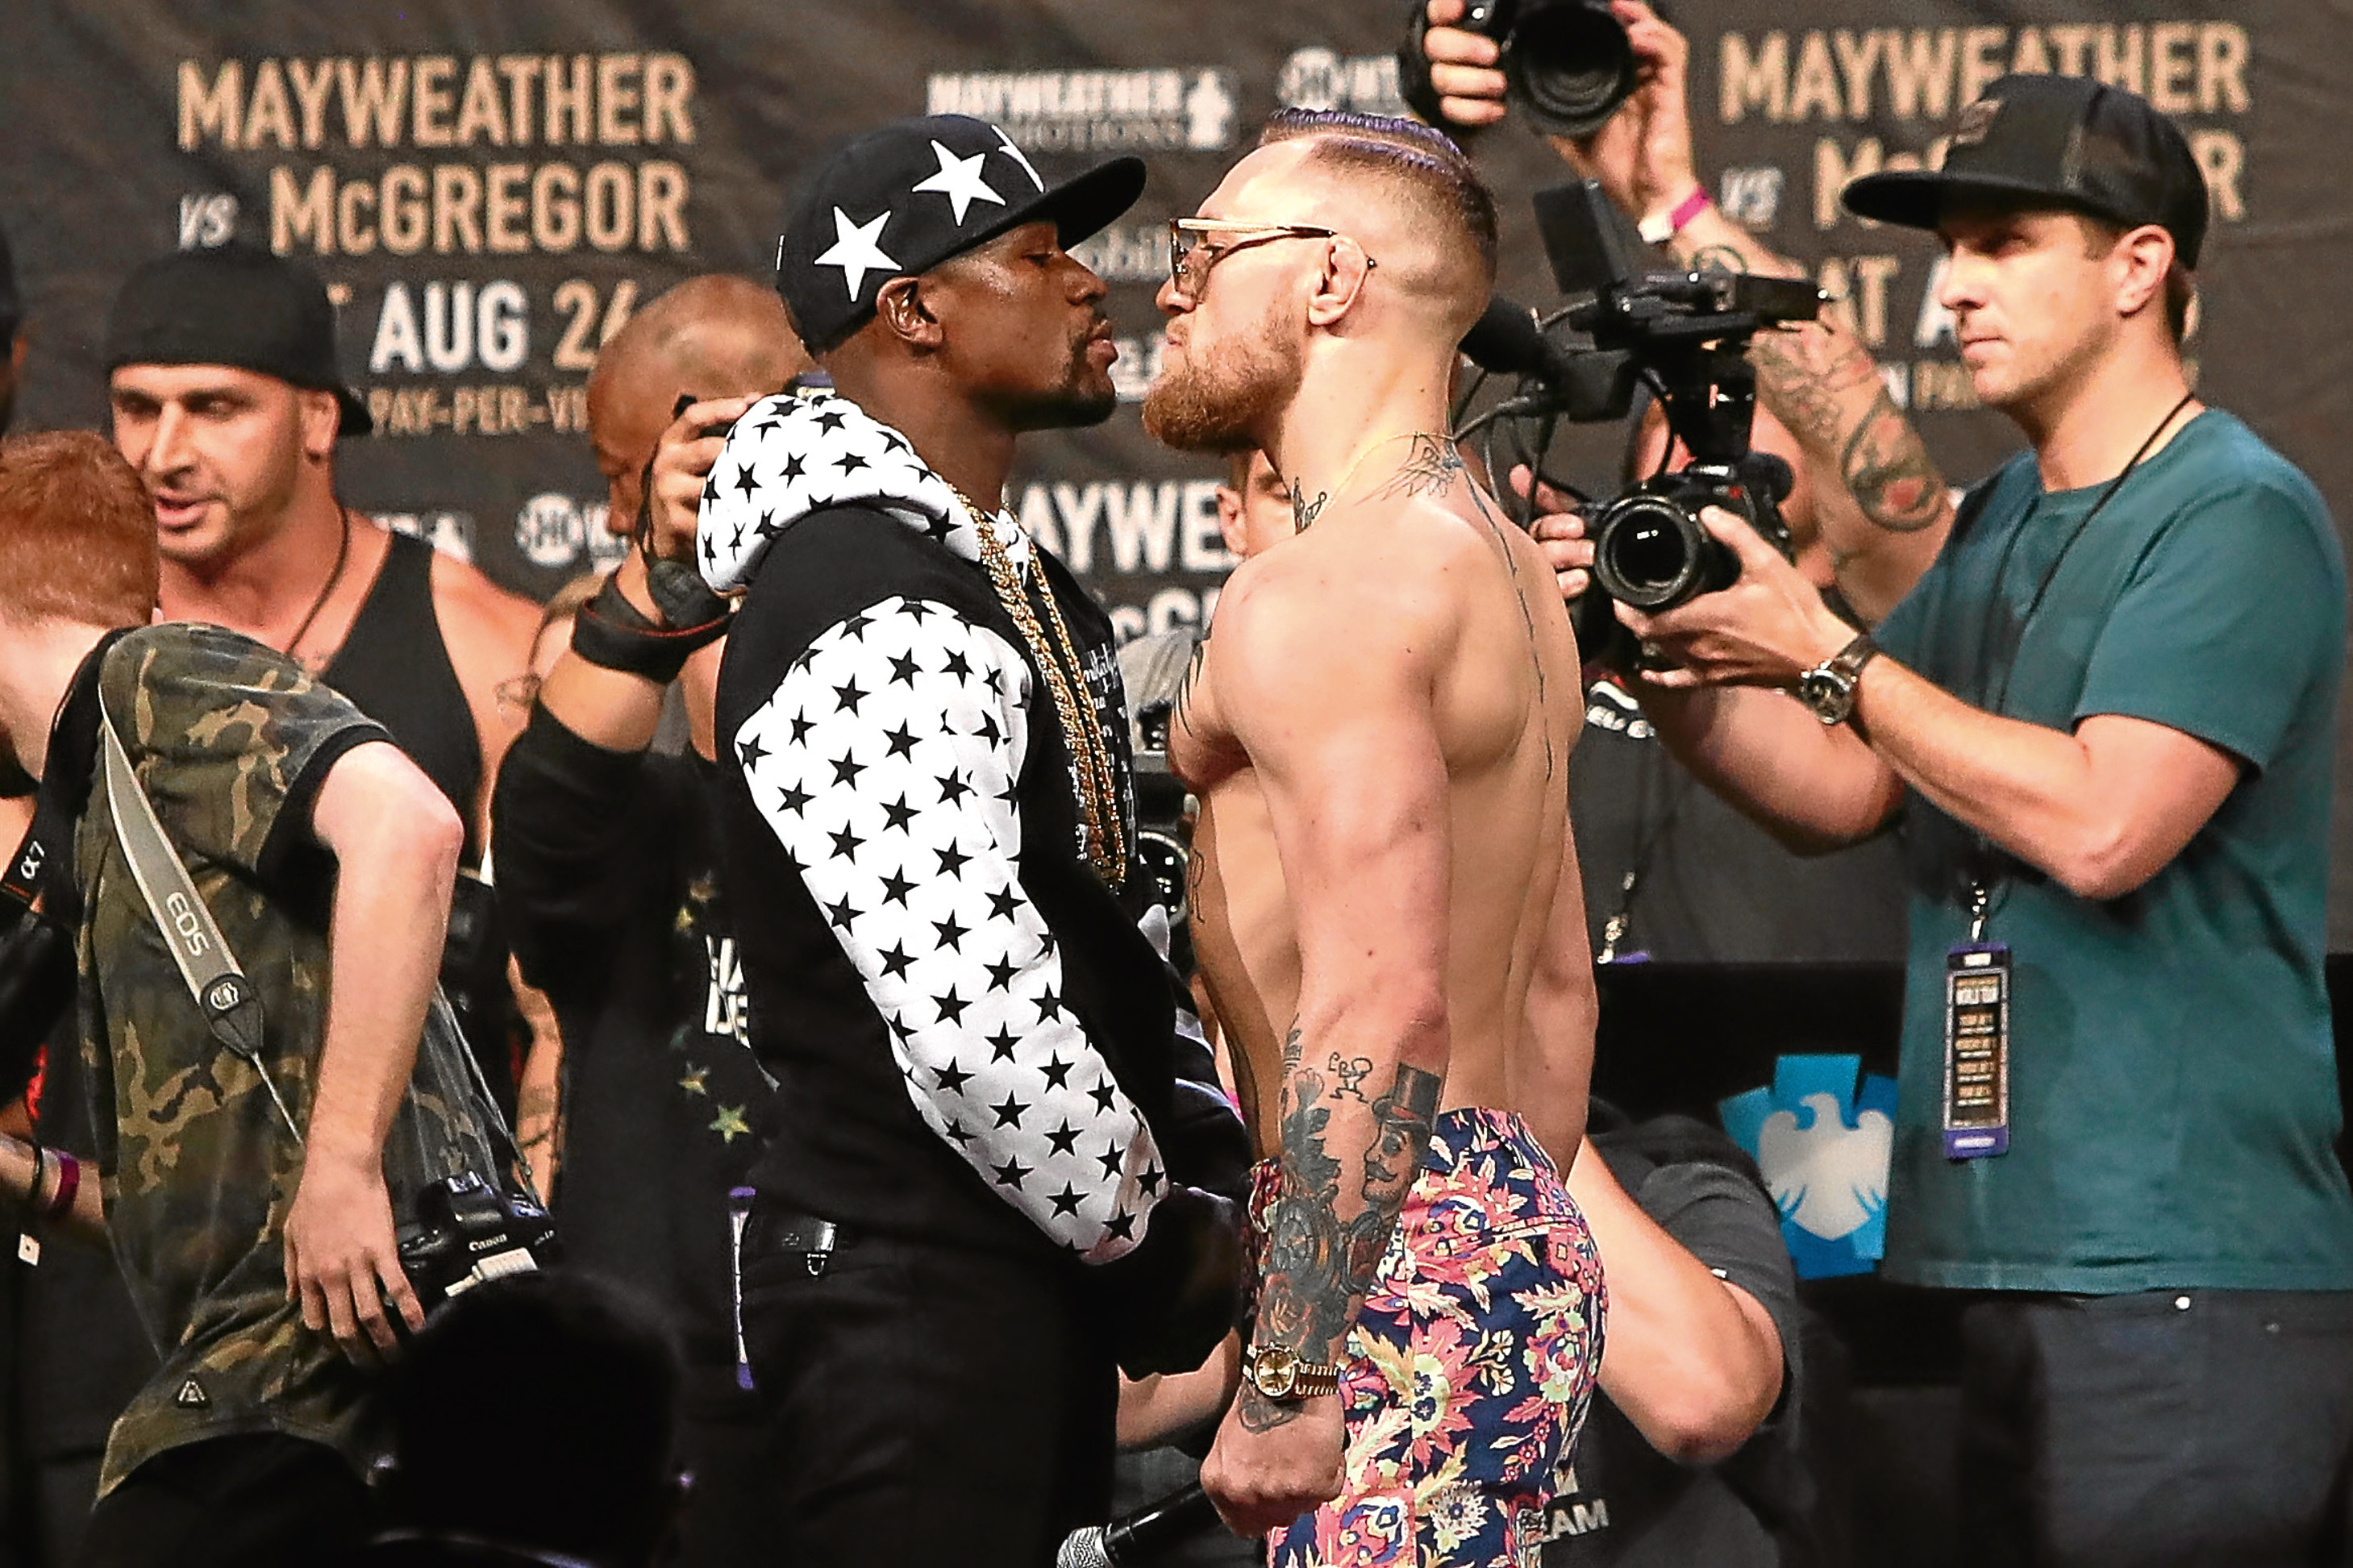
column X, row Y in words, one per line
column 1279, row 1373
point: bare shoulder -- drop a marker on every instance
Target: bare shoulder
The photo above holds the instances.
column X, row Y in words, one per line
column 481, row 620
column 1358, row 601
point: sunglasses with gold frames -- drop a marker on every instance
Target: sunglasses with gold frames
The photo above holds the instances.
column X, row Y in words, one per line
column 1190, row 257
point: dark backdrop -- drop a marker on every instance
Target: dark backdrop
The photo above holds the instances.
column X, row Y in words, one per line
column 488, row 189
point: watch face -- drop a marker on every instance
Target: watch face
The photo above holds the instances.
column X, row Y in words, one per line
column 1826, row 694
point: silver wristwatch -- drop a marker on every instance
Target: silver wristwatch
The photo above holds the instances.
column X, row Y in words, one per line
column 1829, row 687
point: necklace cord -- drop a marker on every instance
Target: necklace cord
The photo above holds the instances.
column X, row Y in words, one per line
column 1982, row 884
column 343, row 555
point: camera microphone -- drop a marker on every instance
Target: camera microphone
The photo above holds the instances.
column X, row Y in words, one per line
column 1138, row 1537
column 1506, row 341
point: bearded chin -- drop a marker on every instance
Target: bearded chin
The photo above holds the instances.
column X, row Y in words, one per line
column 1220, row 402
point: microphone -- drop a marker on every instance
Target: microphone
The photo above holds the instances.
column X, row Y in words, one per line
column 1142, row 1535
column 1585, row 384
column 1504, row 340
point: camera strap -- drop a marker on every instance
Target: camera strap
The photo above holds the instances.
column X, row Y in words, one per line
column 231, row 1009
column 31, row 871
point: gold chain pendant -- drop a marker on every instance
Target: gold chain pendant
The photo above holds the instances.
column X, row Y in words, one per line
column 1094, row 776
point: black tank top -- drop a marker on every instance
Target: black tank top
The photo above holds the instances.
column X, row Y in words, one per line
column 396, row 670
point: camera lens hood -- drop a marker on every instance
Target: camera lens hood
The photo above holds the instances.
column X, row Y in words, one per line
column 1568, row 65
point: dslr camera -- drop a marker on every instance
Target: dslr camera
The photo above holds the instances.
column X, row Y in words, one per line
column 466, row 1232
column 1566, row 64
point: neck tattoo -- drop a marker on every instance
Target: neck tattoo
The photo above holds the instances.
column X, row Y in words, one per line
column 1428, row 470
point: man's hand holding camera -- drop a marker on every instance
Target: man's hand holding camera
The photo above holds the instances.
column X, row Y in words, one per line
column 341, row 1262
column 1766, row 629
column 1559, row 527
column 1642, row 157
column 1877, row 501
column 682, row 462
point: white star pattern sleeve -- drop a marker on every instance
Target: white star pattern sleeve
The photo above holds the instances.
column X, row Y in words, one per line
column 885, row 763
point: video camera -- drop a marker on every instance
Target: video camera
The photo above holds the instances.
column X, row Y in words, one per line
column 1681, row 335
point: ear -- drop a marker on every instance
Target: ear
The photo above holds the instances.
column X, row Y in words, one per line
column 1341, row 282
column 2138, row 265
column 323, row 418
column 1230, row 520
column 906, row 313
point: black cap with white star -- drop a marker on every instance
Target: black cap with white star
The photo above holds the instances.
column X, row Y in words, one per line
column 898, row 201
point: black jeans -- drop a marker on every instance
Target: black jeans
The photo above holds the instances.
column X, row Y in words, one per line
column 927, row 1404
column 258, row 1500
column 2162, row 1428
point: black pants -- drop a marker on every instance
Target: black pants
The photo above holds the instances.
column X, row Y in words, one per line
column 927, row 1406
column 727, row 1521
column 2167, row 1427
column 254, row 1500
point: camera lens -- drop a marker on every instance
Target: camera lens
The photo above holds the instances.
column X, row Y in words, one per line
column 1570, row 66
column 1647, row 554
column 1646, row 551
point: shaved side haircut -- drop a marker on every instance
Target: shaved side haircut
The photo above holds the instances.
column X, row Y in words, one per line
column 1422, row 163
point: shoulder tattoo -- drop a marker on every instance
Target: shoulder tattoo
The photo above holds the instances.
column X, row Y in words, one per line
column 1428, row 469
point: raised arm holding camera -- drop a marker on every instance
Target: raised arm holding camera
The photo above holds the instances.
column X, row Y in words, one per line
column 1881, row 505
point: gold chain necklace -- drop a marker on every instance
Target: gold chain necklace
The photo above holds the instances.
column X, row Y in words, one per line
column 1058, row 656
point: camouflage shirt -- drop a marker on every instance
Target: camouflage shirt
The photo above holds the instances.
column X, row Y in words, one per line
column 231, row 742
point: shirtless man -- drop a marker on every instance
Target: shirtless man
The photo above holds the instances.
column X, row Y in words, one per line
column 1386, row 900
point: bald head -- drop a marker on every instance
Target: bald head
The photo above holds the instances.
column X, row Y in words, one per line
column 713, row 336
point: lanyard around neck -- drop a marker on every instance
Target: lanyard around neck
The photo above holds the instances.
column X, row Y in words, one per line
column 2050, row 573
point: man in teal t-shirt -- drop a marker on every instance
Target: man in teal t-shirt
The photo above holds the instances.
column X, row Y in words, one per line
column 2107, row 714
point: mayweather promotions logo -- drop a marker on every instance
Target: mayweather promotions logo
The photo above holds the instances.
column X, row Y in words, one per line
column 1161, row 110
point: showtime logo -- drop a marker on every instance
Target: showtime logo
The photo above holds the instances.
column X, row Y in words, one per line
column 1164, row 110
column 1322, row 78
column 553, row 531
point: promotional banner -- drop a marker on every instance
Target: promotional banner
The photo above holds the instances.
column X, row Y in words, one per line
column 490, row 191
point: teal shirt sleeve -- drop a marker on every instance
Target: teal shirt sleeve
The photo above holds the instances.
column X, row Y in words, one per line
column 2231, row 618
column 1898, row 636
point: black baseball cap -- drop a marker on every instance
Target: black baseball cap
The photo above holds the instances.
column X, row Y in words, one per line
column 900, row 199
column 2055, row 141
column 232, row 304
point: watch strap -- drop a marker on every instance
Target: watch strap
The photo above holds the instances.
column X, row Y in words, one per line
column 1849, row 660
column 1829, row 689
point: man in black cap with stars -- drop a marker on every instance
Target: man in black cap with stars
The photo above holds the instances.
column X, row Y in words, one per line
column 977, row 1203
column 2108, row 711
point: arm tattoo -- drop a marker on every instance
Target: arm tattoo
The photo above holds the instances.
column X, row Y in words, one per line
column 1718, row 259
column 1428, row 470
column 1808, row 377
column 1303, row 510
column 1802, row 374
column 1319, row 1265
column 1889, row 472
